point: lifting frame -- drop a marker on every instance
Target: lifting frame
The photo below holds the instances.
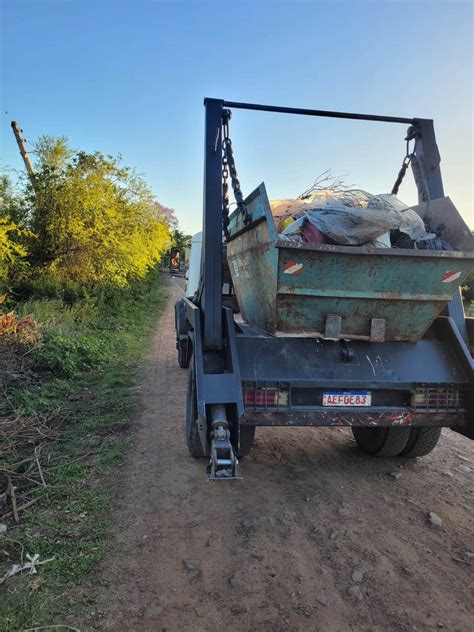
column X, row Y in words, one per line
column 223, row 352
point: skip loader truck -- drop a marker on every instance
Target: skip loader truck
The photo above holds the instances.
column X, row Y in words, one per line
column 342, row 309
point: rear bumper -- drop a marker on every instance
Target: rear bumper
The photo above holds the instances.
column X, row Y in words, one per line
column 344, row 417
column 300, row 369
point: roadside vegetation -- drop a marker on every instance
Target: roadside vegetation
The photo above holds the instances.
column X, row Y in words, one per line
column 80, row 293
column 468, row 295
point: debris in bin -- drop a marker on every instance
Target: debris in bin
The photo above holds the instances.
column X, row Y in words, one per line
column 311, row 234
column 351, row 217
column 433, row 243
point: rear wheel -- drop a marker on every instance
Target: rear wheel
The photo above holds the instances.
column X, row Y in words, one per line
column 183, row 343
column 421, row 442
column 247, row 434
column 383, row 442
column 184, row 353
column 192, row 432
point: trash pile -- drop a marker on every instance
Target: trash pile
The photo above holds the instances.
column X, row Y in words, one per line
column 353, row 217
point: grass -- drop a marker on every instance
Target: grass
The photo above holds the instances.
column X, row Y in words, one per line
column 99, row 354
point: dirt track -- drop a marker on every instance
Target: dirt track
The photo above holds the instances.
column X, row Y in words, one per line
column 281, row 549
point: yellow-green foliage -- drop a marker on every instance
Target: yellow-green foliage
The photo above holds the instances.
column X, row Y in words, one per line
column 10, row 250
column 94, row 221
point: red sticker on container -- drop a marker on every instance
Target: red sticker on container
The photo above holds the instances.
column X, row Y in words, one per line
column 450, row 276
column 292, row 267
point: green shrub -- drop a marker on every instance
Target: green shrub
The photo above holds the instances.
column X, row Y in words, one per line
column 66, row 355
column 468, row 289
column 29, row 287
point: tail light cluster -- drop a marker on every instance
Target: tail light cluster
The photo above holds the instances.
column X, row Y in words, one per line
column 264, row 397
column 433, row 398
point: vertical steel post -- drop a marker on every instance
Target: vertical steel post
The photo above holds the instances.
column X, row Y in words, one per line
column 429, row 158
column 211, row 263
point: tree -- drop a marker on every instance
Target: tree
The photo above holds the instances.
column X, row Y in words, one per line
column 52, row 151
column 181, row 240
column 94, row 220
column 11, row 248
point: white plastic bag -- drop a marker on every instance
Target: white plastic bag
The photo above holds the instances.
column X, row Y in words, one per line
column 351, row 218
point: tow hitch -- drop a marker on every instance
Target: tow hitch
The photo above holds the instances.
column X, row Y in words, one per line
column 223, row 465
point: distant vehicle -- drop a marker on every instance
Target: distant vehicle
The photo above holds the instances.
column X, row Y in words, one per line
column 174, row 261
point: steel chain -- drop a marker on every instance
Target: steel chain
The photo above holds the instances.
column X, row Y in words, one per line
column 404, row 168
column 229, row 168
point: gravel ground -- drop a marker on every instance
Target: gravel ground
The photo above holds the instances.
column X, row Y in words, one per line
column 316, row 536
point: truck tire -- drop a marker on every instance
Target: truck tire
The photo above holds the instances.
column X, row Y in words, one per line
column 247, row 434
column 184, row 353
column 382, row 442
column 183, row 343
column 421, row 442
column 192, row 432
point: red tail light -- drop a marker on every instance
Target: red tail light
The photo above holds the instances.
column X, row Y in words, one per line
column 261, row 397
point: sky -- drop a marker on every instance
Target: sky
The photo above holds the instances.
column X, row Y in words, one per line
column 130, row 78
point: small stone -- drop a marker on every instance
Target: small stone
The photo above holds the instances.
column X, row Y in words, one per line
column 344, row 511
column 396, row 475
column 303, row 610
column 93, row 440
column 238, row 610
column 440, row 625
column 469, row 555
column 434, row 520
column 235, row 580
column 153, row 610
column 447, row 473
column 358, row 575
column 324, row 600
column 464, row 468
column 201, row 611
column 3, row 528
column 354, row 593
column 191, row 565
column 333, row 535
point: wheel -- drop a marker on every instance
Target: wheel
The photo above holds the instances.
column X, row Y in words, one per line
column 192, row 432
column 183, row 343
column 184, row 353
column 247, row 434
column 421, row 442
column 381, row 441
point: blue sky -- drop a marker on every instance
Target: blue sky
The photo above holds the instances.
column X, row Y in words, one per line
column 130, row 78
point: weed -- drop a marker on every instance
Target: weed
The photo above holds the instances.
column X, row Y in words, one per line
column 90, row 356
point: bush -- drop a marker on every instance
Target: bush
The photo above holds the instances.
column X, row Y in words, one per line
column 468, row 289
column 66, row 355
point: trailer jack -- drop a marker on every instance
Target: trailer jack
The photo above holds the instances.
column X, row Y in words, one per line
column 223, row 465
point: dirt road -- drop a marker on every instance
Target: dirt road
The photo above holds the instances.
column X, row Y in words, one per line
column 316, row 536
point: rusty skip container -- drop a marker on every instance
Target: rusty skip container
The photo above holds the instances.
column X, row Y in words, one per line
column 339, row 292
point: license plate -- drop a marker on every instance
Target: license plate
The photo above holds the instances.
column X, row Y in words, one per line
column 349, row 398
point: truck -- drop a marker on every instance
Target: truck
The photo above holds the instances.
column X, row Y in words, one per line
column 280, row 333
column 175, row 261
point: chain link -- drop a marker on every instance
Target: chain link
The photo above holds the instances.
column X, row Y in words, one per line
column 225, row 196
column 229, row 168
column 404, row 168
